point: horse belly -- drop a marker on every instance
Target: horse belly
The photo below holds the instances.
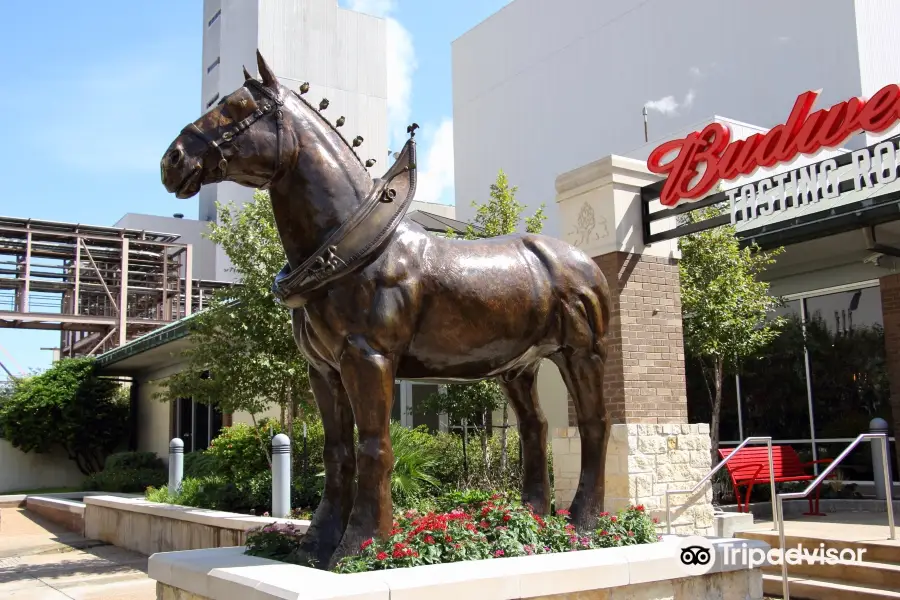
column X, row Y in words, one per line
column 474, row 327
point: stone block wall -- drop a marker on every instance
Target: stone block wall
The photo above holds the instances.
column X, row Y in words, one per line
column 642, row 462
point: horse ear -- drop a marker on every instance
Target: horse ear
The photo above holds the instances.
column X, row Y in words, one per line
column 268, row 77
column 247, row 75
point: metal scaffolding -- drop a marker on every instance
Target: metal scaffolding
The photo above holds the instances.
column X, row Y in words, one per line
column 99, row 286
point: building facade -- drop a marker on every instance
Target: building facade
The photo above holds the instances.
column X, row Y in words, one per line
column 578, row 94
column 341, row 53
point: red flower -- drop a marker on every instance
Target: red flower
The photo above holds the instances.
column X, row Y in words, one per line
column 563, row 513
column 630, row 534
column 498, row 553
column 366, row 544
column 604, row 532
column 398, row 546
column 604, row 514
column 639, row 508
column 447, row 538
column 381, row 555
column 429, row 539
column 613, row 519
column 485, row 524
column 655, row 520
column 506, row 517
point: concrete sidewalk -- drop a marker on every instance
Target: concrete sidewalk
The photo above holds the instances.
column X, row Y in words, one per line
column 42, row 561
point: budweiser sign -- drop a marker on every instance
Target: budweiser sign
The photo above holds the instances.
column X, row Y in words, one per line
column 803, row 133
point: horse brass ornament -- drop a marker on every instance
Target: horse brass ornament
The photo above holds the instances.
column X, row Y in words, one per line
column 374, row 297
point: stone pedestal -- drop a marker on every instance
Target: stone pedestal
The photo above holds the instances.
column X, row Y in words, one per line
column 652, row 448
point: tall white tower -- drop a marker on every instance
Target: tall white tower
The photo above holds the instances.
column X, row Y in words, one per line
column 341, row 53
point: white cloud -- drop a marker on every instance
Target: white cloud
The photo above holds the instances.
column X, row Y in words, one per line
column 435, row 172
column 668, row 105
column 401, row 63
column 696, row 72
column 435, row 169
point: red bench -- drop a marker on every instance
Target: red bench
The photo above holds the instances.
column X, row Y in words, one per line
column 751, row 466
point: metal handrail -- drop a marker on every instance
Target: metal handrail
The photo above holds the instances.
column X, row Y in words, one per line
column 780, row 498
column 750, row 440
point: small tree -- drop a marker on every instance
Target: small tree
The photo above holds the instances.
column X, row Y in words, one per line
column 724, row 304
column 244, row 339
column 466, row 403
column 502, row 215
column 67, row 406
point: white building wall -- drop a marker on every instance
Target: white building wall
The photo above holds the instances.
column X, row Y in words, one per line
column 341, row 53
column 544, row 86
column 879, row 50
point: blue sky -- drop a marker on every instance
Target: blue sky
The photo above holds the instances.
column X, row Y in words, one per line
column 93, row 93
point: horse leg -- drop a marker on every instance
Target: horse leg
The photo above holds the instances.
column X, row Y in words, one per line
column 522, row 394
column 582, row 372
column 368, row 378
column 330, row 519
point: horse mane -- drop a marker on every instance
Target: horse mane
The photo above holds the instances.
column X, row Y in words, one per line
column 322, row 117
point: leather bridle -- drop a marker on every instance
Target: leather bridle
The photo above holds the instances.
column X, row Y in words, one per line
column 271, row 102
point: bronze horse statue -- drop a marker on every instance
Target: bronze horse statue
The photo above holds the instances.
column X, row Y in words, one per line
column 375, row 297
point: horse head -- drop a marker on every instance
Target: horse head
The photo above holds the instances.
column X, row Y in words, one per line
column 258, row 135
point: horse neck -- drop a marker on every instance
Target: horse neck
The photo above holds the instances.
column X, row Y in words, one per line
column 323, row 188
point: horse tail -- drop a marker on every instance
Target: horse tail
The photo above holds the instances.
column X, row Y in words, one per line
column 588, row 290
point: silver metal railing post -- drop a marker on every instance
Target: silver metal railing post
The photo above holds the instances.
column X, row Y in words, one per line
column 883, row 440
column 888, row 483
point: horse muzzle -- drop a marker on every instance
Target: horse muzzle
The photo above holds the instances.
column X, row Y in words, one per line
column 181, row 174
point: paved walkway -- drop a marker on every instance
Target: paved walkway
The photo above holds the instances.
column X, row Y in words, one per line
column 42, row 561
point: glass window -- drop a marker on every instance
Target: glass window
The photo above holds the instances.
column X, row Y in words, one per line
column 849, row 381
column 421, row 391
column 214, row 64
column 214, row 18
column 774, row 397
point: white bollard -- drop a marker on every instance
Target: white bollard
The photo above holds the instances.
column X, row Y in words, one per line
column 176, row 465
column 281, row 476
column 878, row 425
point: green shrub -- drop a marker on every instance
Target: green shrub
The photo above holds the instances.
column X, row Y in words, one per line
column 68, row 406
column 239, row 452
column 125, row 481
column 201, row 464
column 128, row 473
column 133, row 460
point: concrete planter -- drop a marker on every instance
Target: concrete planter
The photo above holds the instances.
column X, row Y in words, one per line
column 643, row 572
column 149, row 527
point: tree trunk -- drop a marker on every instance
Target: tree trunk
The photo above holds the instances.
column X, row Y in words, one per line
column 503, row 450
column 289, row 400
column 484, row 447
column 718, row 374
column 465, row 428
column 262, row 444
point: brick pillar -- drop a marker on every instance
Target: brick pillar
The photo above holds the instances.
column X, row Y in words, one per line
column 890, row 313
column 644, row 380
column 651, row 448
